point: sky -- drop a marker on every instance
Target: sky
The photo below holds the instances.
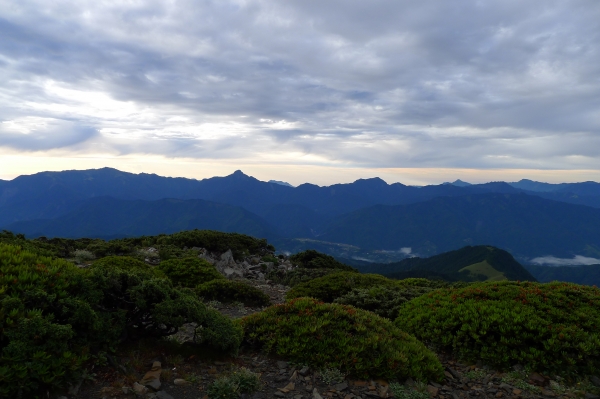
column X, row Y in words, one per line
column 419, row 92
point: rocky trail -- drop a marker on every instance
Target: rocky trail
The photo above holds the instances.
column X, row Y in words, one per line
column 151, row 371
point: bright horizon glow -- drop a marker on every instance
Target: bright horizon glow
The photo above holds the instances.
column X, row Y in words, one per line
column 13, row 165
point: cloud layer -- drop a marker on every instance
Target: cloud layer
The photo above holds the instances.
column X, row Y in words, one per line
column 378, row 84
column 577, row 260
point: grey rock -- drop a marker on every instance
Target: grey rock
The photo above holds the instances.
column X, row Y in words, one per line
column 279, row 394
column 595, row 380
column 591, row 396
column 304, row 371
column 282, row 364
column 259, row 395
column 506, row 387
column 340, row 387
column 298, row 397
column 315, row 394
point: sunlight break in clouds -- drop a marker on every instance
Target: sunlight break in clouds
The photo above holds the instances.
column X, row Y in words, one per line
column 348, row 88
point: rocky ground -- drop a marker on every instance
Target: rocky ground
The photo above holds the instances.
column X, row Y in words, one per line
column 157, row 370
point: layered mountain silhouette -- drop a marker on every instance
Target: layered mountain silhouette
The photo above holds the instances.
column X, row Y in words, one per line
column 527, row 218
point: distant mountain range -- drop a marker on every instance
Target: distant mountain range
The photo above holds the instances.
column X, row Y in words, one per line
column 364, row 219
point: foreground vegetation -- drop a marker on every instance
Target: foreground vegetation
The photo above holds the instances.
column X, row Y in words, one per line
column 57, row 319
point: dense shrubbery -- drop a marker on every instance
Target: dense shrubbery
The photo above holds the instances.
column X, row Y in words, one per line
column 384, row 301
column 387, row 300
column 336, row 336
column 296, row 276
column 311, row 259
column 172, row 245
column 214, row 241
column 189, row 272
column 232, row 291
column 126, row 262
column 550, row 327
column 335, row 285
column 53, row 315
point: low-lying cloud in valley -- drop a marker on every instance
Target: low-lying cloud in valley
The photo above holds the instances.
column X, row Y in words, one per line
column 577, row 260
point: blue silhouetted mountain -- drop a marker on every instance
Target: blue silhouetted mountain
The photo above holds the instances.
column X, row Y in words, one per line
column 522, row 224
column 106, row 217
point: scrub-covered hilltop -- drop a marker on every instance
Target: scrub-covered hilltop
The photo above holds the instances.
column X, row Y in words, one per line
column 70, row 309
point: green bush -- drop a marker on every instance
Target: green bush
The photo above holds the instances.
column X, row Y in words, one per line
column 384, row 301
column 239, row 382
column 125, row 262
column 311, row 259
column 355, row 341
column 232, row 291
column 53, row 316
column 296, row 276
column 47, row 322
column 549, row 327
column 270, row 258
column 189, row 272
column 335, row 285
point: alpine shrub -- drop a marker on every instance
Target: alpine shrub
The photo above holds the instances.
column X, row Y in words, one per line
column 311, row 259
column 53, row 316
column 151, row 306
column 384, row 301
column 126, row 263
column 239, row 382
column 333, row 286
column 550, row 327
column 327, row 336
column 47, row 322
column 296, row 276
column 189, row 272
column 223, row 290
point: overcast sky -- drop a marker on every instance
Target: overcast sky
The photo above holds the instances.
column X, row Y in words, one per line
column 320, row 91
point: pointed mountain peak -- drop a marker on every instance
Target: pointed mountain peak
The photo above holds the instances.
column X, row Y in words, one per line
column 239, row 174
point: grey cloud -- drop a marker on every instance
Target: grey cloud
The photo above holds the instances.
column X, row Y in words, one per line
column 384, row 83
column 46, row 135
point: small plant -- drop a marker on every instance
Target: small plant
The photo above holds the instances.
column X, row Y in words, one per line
column 242, row 381
column 246, row 381
column 270, row 258
column 331, row 376
column 222, row 388
column 475, row 374
column 519, row 379
column 401, row 392
column 82, row 256
column 213, row 304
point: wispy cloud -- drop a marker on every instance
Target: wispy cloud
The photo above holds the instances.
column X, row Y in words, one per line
column 577, row 260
